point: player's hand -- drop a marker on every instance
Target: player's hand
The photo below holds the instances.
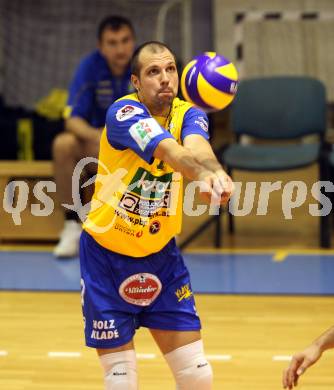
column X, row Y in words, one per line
column 216, row 188
column 227, row 186
column 300, row 362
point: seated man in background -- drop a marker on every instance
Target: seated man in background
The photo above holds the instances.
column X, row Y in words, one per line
column 101, row 78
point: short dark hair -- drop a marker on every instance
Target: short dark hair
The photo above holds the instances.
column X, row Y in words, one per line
column 155, row 47
column 113, row 22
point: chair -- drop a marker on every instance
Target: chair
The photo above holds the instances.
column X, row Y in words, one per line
column 279, row 109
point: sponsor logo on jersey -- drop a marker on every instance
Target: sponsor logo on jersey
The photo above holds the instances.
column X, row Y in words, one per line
column 127, row 112
column 184, row 292
column 127, row 230
column 147, row 196
column 130, row 219
column 155, row 227
column 129, row 202
column 140, row 289
column 150, row 186
column 144, row 131
column 104, row 330
column 202, row 123
column 144, row 207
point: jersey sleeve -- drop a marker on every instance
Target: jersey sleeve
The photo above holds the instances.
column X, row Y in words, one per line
column 195, row 122
column 130, row 126
column 81, row 93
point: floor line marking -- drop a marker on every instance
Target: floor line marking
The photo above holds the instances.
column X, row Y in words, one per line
column 146, row 355
column 261, row 251
column 64, row 354
column 219, row 357
column 282, row 358
column 280, row 256
column 200, row 250
column 26, row 248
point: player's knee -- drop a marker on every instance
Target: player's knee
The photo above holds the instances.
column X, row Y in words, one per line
column 120, row 370
column 191, row 369
column 65, row 143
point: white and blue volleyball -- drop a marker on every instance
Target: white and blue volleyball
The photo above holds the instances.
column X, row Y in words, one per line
column 209, row 81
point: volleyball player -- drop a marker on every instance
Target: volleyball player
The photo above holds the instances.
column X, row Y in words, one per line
column 132, row 272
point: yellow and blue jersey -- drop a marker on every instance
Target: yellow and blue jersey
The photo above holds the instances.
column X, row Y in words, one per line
column 94, row 88
column 136, row 208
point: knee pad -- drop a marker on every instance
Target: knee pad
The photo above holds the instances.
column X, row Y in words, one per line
column 120, row 370
column 191, row 369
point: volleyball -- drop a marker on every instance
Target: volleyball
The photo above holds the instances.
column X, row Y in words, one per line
column 209, row 81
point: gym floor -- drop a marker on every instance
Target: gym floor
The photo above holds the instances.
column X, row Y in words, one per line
column 257, row 308
column 261, row 298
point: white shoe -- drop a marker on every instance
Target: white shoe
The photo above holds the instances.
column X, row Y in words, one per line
column 68, row 245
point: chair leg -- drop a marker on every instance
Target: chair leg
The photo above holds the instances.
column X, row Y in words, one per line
column 231, row 223
column 197, row 232
column 325, row 231
column 331, row 194
column 231, row 226
column 325, row 221
column 219, row 230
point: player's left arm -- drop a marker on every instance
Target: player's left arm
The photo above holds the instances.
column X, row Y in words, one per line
column 202, row 151
column 195, row 136
column 204, row 155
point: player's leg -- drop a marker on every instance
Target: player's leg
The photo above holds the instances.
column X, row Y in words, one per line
column 174, row 322
column 109, row 321
column 120, row 367
column 89, row 149
column 184, row 353
column 66, row 153
column 169, row 340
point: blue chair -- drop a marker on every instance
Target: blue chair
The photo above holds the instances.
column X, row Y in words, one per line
column 273, row 109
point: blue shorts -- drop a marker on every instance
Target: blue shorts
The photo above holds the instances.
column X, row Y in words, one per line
column 121, row 293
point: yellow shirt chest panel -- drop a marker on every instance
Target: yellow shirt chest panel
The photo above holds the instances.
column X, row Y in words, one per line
column 137, row 207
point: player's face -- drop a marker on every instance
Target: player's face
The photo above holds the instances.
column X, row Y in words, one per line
column 117, row 46
column 158, row 80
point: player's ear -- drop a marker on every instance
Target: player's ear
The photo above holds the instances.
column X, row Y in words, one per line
column 135, row 82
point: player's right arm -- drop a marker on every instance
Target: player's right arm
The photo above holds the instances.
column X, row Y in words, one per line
column 301, row 361
column 195, row 158
column 182, row 160
column 130, row 126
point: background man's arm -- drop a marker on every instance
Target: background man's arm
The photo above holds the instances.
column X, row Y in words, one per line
column 82, row 129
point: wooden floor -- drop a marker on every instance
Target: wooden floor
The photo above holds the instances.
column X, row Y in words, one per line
column 252, row 329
